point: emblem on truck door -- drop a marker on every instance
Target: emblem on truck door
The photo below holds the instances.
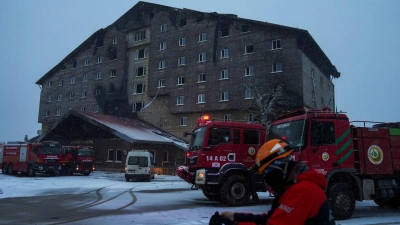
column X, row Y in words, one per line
column 375, row 154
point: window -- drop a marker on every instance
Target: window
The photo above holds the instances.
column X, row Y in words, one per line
column 329, row 88
column 161, row 64
column 58, row 112
column 313, row 96
column 71, row 95
column 312, row 74
column 161, row 83
column 248, row 49
column 49, row 84
column 85, row 78
column 47, row 113
column 83, row 94
column 153, row 152
column 224, row 30
column 138, row 88
column 248, row 94
column 115, row 40
column 140, row 71
column 83, row 108
column 322, row 133
column 96, row 108
column 182, row 41
column 220, row 136
column 113, row 73
column 163, row 46
column 163, row 27
column 181, row 61
column 49, row 98
column 63, row 67
column 60, row 82
column 251, row 137
column 277, row 67
column 202, row 37
column 137, row 106
column 276, row 44
column 180, row 100
column 140, row 54
column 224, row 53
column 202, row 57
column 245, row 28
column 99, row 60
column 59, row 97
column 321, row 81
column 98, row 76
column 182, row 22
column 224, row 75
column 165, row 158
column 322, row 101
column 228, row 117
column 224, row 96
column 250, row 117
column 181, row 80
column 139, row 36
column 201, row 78
column 74, row 64
column 97, row 91
column 200, row 18
column 201, row 98
column 249, row 71
column 86, row 62
column 110, row 155
column 183, row 121
column 118, row 155
column 72, row 80
column 111, row 88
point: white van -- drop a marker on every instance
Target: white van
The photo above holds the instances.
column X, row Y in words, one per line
column 139, row 165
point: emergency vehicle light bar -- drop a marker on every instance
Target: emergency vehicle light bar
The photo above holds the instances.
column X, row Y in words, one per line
column 204, row 119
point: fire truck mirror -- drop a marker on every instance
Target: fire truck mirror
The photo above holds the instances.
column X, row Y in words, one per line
column 36, row 150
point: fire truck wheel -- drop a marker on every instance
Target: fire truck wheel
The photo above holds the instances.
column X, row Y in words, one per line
column 4, row 169
column 235, row 190
column 31, row 172
column 86, row 173
column 10, row 169
column 211, row 195
column 342, row 201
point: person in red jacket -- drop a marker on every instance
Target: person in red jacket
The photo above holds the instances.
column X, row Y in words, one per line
column 299, row 191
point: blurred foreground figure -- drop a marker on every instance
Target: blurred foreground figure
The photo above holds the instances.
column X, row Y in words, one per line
column 299, row 191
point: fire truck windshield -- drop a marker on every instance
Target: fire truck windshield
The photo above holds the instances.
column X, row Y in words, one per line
column 291, row 132
column 85, row 152
column 197, row 138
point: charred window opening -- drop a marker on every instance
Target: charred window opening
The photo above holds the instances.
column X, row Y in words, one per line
column 112, row 53
column 224, row 30
column 74, row 64
column 137, row 106
column 245, row 28
column 182, row 22
column 200, row 18
column 100, row 43
column 111, row 88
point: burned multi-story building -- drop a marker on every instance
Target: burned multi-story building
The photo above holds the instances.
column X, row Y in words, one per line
column 168, row 66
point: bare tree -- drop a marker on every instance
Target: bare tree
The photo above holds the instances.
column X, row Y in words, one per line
column 270, row 100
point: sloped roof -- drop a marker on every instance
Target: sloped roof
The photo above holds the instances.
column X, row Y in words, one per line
column 131, row 130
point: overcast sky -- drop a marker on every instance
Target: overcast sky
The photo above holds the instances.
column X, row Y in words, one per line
column 360, row 37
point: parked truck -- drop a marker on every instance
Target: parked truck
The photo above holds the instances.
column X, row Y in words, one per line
column 360, row 159
column 77, row 159
column 359, row 162
column 31, row 158
column 219, row 156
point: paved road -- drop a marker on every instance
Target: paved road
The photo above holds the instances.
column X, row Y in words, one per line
column 118, row 202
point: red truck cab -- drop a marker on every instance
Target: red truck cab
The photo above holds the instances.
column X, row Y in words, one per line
column 77, row 159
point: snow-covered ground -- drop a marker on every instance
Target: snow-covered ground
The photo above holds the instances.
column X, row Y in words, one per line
column 185, row 206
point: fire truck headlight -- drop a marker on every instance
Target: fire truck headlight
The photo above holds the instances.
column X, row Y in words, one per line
column 201, row 176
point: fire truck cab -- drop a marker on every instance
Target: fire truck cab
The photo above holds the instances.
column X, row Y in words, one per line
column 219, row 156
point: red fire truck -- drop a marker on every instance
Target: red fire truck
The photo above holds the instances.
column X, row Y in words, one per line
column 77, row 159
column 219, row 157
column 31, row 158
column 359, row 162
